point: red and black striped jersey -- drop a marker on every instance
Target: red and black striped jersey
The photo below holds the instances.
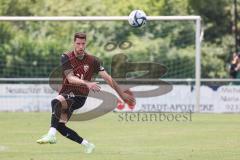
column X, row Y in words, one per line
column 84, row 68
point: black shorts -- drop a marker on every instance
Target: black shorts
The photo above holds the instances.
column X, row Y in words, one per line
column 74, row 102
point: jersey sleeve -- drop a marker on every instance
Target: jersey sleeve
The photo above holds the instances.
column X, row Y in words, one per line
column 65, row 62
column 98, row 65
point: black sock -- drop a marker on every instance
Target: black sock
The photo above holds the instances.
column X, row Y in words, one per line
column 56, row 108
column 69, row 133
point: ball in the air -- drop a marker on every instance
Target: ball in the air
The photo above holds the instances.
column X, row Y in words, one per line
column 137, row 18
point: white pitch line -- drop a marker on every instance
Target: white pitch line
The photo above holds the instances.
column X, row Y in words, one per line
column 3, row 148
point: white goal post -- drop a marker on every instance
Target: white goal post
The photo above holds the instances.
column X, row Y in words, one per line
column 198, row 35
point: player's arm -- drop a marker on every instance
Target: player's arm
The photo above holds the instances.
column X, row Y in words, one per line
column 72, row 79
column 237, row 68
column 110, row 81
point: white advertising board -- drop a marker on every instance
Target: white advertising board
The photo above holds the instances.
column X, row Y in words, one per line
column 37, row 97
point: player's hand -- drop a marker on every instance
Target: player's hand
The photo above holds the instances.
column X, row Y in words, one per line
column 128, row 98
column 93, row 86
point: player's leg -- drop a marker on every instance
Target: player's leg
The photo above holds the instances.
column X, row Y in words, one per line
column 72, row 135
column 58, row 104
column 68, row 132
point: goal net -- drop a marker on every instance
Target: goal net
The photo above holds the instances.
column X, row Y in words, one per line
column 31, row 49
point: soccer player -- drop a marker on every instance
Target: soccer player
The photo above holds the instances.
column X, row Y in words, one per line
column 78, row 68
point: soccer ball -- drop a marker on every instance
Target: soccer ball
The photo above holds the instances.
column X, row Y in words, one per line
column 137, row 18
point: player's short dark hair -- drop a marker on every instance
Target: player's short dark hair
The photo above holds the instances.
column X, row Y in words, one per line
column 80, row 35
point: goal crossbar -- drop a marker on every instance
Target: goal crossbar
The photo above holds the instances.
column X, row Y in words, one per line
column 91, row 18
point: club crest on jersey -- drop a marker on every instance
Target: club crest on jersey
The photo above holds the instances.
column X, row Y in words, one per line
column 85, row 68
column 78, row 75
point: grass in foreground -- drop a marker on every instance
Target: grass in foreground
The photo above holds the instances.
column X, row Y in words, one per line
column 206, row 137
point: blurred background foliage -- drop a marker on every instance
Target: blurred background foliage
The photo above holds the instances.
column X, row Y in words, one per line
column 33, row 49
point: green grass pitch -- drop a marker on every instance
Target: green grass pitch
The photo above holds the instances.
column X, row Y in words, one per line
column 206, row 137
